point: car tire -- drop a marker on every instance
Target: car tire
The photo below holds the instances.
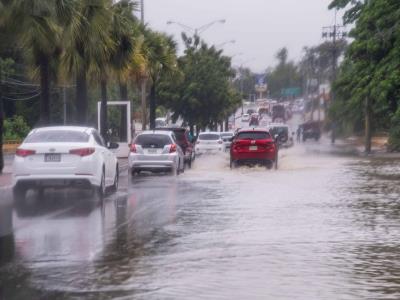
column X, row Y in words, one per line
column 100, row 191
column 114, row 187
column 19, row 194
column 189, row 163
column 276, row 162
column 232, row 164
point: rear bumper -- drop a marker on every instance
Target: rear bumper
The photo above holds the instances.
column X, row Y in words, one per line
column 210, row 150
column 139, row 162
column 253, row 157
column 56, row 181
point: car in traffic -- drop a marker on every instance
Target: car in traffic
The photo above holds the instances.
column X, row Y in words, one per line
column 209, row 143
column 64, row 156
column 281, row 132
column 156, row 151
column 227, row 139
column 185, row 141
column 161, row 122
column 254, row 120
column 252, row 147
column 245, row 118
column 311, row 130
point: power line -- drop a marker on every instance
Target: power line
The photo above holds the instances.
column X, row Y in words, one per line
column 21, row 99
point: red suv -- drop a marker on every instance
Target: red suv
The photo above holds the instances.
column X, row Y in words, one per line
column 254, row 146
column 184, row 140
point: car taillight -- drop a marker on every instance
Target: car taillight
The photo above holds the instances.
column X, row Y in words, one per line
column 172, row 148
column 24, row 152
column 82, row 151
column 133, row 148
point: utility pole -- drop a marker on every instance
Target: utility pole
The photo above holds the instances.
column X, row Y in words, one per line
column 333, row 33
column 143, row 79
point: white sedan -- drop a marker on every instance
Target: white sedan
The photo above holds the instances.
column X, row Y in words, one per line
column 64, row 156
column 209, row 142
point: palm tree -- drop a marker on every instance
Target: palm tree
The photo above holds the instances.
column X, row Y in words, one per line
column 160, row 59
column 87, row 48
column 38, row 32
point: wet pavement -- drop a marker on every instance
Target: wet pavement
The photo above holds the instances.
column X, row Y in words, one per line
column 326, row 225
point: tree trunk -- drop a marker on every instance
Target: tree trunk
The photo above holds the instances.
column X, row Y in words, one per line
column 103, row 110
column 44, row 91
column 152, row 107
column 81, row 98
column 1, row 127
column 123, row 91
column 368, row 125
column 144, row 110
column 227, row 124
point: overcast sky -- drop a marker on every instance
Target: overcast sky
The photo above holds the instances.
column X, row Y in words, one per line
column 260, row 27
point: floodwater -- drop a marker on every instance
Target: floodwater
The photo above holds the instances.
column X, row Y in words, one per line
column 323, row 226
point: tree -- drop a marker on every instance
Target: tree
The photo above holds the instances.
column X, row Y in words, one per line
column 37, row 27
column 370, row 73
column 87, row 47
column 200, row 91
column 284, row 75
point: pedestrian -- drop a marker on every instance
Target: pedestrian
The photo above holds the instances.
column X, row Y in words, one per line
column 298, row 132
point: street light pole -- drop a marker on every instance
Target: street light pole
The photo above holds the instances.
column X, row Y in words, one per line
column 143, row 79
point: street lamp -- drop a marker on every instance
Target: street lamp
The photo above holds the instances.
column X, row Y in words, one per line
column 199, row 30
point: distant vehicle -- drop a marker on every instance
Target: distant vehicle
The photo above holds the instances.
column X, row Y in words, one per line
column 245, row 118
column 185, row 141
column 254, row 120
column 263, row 111
column 284, row 138
column 251, row 111
column 278, row 113
column 209, row 142
column 156, row 151
column 311, row 130
column 254, row 146
column 227, row 139
column 161, row 122
column 64, row 156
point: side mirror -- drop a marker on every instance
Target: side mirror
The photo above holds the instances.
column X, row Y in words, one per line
column 231, row 139
column 112, row 145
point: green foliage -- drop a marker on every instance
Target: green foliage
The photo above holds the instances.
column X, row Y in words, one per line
column 200, row 91
column 15, row 128
column 285, row 75
column 371, row 68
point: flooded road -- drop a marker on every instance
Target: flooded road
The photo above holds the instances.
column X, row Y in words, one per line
column 324, row 226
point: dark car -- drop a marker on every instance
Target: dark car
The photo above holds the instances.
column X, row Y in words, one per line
column 278, row 113
column 311, row 130
column 254, row 146
column 185, row 141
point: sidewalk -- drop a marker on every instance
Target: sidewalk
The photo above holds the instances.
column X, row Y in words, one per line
column 5, row 177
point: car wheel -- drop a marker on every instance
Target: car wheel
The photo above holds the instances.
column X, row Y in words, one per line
column 116, row 181
column 190, row 163
column 276, row 162
column 183, row 168
column 232, row 164
column 100, row 191
column 19, row 194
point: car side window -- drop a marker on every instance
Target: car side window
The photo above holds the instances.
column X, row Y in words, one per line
column 99, row 140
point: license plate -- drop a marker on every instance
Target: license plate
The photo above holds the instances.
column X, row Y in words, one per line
column 52, row 157
column 152, row 151
column 253, row 148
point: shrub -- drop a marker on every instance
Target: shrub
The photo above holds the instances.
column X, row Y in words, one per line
column 15, row 128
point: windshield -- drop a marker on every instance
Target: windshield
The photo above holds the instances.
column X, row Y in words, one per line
column 153, row 140
column 253, row 135
column 209, row 137
column 57, row 136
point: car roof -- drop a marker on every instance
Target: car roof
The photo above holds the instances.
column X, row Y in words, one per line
column 255, row 129
column 171, row 129
column 161, row 132
column 210, row 132
column 71, row 128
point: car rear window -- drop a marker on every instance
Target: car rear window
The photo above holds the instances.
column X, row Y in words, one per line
column 209, row 137
column 180, row 135
column 57, row 136
column 153, row 140
column 253, row 135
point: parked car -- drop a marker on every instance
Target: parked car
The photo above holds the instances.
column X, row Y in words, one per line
column 254, row 146
column 227, row 139
column 64, row 156
column 311, row 130
column 209, row 142
column 156, row 151
column 185, row 141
